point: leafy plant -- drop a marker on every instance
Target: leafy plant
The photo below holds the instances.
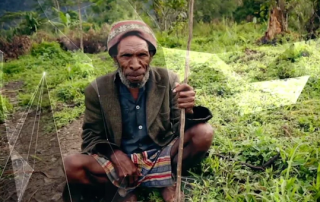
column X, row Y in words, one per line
column 30, row 21
column 5, row 108
column 51, row 51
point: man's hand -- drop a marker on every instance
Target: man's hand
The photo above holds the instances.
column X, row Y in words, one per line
column 186, row 97
column 124, row 167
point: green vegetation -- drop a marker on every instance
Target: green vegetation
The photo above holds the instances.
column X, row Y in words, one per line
column 265, row 99
column 5, row 108
column 67, row 76
column 253, row 138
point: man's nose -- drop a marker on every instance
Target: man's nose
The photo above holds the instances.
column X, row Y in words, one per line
column 135, row 64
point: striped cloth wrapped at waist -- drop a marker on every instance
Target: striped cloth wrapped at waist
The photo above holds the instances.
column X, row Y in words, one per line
column 154, row 166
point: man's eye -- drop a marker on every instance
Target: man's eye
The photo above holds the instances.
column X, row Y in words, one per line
column 126, row 55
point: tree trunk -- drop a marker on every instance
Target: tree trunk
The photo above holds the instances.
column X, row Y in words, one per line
column 283, row 15
column 313, row 23
column 277, row 24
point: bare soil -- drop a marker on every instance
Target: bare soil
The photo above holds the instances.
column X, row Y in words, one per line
column 38, row 149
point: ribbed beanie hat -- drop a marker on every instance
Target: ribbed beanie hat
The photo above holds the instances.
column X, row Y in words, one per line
column 119, row 29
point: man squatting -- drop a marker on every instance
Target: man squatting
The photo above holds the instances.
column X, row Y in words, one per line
column 132, row 122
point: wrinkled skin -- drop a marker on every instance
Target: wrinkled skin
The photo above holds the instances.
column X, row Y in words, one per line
column 133, row 61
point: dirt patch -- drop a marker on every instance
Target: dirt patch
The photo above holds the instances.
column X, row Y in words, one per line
column 34, row 170
column 70, row 137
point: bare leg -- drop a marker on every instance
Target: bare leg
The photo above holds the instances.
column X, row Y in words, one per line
column 197, row 141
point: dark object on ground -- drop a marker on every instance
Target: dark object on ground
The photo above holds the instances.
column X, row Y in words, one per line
column 260, row 168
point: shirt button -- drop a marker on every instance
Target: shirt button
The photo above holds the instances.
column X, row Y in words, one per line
column 140, row 127
column 137, row 107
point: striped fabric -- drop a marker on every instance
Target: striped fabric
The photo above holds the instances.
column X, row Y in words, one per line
column 154, row 165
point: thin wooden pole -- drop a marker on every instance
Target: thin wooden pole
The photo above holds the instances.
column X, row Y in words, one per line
column 80, row 25
column 183, row 114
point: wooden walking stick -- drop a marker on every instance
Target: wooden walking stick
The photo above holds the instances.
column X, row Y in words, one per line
column 183, row 114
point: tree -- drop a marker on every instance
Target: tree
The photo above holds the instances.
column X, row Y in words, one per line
column 168, row 11
column 110, row 11
column 278, row 19
column 250, row 9
column 313, row 23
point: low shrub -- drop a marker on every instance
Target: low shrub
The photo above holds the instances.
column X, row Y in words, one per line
column 51, row 51
column 19, row 45
column 13, row 67
column 209, row 80
column 71, row 92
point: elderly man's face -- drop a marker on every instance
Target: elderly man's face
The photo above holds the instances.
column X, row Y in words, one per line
column 133, row 61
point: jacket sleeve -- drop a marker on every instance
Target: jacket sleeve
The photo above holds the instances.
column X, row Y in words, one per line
column 200, row 114
column 94, row 134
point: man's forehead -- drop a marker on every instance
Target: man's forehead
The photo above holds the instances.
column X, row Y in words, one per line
column 132, row 43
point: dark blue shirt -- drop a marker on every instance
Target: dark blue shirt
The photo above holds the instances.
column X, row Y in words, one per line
column 135, row 136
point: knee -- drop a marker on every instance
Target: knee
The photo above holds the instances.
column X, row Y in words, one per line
column 202, row 137
column 74, row 168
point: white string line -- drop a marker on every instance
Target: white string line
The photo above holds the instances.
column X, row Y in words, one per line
column 21, row 161
column 36, row 144
column 34, row 123
column 26, row 114
column 58, row 140
column 52, row 109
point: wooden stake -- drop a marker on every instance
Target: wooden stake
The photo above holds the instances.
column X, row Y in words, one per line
column 183, row 114
column 80, row 25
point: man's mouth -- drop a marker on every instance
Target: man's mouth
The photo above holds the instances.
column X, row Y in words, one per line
column 137, row 77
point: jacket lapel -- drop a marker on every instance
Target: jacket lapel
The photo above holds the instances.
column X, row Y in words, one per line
column 111, row 105
column 155, row 94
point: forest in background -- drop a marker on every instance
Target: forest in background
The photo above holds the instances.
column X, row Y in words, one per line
column 72, row 23
column 267, row 144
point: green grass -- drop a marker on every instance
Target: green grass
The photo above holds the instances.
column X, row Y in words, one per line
column 5, row 108
column 246, row 129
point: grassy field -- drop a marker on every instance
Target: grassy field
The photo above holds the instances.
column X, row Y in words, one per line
column 265, row 101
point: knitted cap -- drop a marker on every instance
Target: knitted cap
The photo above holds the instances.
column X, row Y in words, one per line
column 123, row 27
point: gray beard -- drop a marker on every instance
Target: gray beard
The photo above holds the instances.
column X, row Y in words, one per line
column 127, row 83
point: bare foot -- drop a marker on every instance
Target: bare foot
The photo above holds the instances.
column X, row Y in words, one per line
column 168, row 194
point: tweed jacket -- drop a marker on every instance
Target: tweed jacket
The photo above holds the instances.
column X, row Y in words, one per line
column 102, row 126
